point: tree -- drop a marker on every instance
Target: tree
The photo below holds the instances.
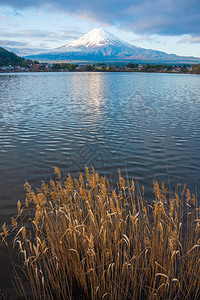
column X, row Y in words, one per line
column 56, row 67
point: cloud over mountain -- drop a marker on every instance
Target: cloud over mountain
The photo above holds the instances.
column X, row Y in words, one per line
column 189, row 39
column 164, row 17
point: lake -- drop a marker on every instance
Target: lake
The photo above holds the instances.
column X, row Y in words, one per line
column 148, row 125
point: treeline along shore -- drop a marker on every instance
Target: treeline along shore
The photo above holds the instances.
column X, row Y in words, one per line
column 29, row 66
column 10, row 62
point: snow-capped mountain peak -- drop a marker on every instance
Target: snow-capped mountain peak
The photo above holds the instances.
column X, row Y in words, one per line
column 100, row 45
column 98, row 37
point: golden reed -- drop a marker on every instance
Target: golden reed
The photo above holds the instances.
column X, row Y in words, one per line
column 82, row 238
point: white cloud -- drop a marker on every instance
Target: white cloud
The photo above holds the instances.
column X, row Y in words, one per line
column 189, row 39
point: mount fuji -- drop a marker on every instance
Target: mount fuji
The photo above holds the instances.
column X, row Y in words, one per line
column 100, row 45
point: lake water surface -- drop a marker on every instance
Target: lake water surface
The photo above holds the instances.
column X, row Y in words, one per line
column 145, row 124
column 148, row 125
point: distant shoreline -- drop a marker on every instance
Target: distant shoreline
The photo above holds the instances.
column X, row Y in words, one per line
column 102, row 67
column 57, row 71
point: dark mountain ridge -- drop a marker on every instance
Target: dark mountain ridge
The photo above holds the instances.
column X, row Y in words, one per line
column 10, row 58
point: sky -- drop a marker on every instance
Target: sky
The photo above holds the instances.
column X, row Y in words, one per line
column 30, row 26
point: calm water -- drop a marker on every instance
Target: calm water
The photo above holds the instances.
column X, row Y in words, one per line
column 147, row 124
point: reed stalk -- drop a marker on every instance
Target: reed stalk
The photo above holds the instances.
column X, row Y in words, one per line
column 82, row 238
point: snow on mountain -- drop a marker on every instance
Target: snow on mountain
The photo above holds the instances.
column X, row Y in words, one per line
column 98, row 37
column 100, row 45
column 96, row 44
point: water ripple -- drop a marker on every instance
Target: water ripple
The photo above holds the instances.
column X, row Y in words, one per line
column 146, row 124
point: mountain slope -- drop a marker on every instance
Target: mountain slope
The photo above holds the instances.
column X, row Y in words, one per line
column 98, row 37
column 9, row 58
column 100, row 45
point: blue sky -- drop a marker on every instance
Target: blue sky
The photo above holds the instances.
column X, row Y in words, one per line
column 172, row 26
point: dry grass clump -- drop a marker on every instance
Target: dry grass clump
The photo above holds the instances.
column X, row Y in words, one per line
column 81, row 238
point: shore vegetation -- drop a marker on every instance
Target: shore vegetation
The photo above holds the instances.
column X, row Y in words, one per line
column 83, row 239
